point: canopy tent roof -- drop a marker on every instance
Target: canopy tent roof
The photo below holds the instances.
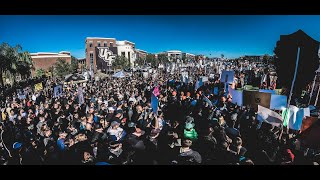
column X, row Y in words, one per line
column 74, row 77
column 119, row 74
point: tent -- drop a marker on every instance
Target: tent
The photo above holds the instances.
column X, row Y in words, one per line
column 119, row 74
column 74, row 77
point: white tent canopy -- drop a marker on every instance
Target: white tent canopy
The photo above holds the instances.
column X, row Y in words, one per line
column 119, row 74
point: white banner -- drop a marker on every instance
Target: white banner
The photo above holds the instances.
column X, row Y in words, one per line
column 269, row 116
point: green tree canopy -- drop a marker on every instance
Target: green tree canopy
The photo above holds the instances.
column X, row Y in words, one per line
column 265, row 59
column 62, row 68
column 140, row 61
column 120, row 62
column 163, row 58
column 40, row 72
column 74, row 64
column 14, row 61
column 151, row 58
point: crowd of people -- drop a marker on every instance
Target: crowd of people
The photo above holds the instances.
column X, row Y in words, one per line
column 116, row 125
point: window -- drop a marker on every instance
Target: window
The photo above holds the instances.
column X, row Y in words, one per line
column 98, row 44
column 90, row 44
column 91, row 59
column 123, row 54
column 105, row 44
column 111, row 44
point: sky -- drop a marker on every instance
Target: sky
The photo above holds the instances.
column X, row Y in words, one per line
column 231, row 35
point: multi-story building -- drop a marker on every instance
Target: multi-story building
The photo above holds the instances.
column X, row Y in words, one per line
column 141, row 54
column 188, row 56
column 82, row 63
column 172, row 55
column 46, row 60
column 93, row 46
column 101, row 52
column 127, row 49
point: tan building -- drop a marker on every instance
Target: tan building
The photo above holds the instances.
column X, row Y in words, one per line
column 46, row 60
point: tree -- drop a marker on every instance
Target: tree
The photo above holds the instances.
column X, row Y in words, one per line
column 74, row 64
column 140, row 61
column 222, row 56
column 40, row 72
column 163, row 58
column 151, row 58
column 285, row 61
column 265, row 59
column 120, row 62
column 9, row 57
column 25, row 64
column 184, row 58
column 62, row 68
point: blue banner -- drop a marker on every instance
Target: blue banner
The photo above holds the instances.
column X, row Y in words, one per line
column 154, row 103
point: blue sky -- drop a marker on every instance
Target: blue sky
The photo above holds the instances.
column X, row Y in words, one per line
column 231, row 35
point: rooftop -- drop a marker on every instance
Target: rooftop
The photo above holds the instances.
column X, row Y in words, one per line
column 99, row 38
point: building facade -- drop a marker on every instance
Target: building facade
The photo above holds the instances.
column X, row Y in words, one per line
column 172, row 55
column 101, row 52
column 188, row 56
column 141, row 54
column 46, row 60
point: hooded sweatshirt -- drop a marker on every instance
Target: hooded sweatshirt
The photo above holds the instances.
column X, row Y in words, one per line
column 192, row 134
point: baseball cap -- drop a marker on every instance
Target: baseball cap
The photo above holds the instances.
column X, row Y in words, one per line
column 114, row 123
column 16, row 145
column 189, row 126
column 131, row 124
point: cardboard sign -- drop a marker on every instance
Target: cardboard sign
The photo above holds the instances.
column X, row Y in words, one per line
column 227, row 76
column 278, row 102
column 237, row 97
column 145, row 75
column 267, row 91
column 255, row 98
column 38, row 87
column 80, row 95
column 57, row 91
column 204, row 78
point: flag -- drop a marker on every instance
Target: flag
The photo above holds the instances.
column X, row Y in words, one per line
column 80, row 95
column 307, row 122
column 216, row 90
column 198, row 84
column 269, row 116
column 227, row 76
column 310, row 137
column 278, row 102
column 38, row 87
column 207, row 101
column 293, row 116
column 154, row 103
column 156, row 91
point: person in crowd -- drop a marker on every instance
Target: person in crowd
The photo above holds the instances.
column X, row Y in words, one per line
column 112, row 122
